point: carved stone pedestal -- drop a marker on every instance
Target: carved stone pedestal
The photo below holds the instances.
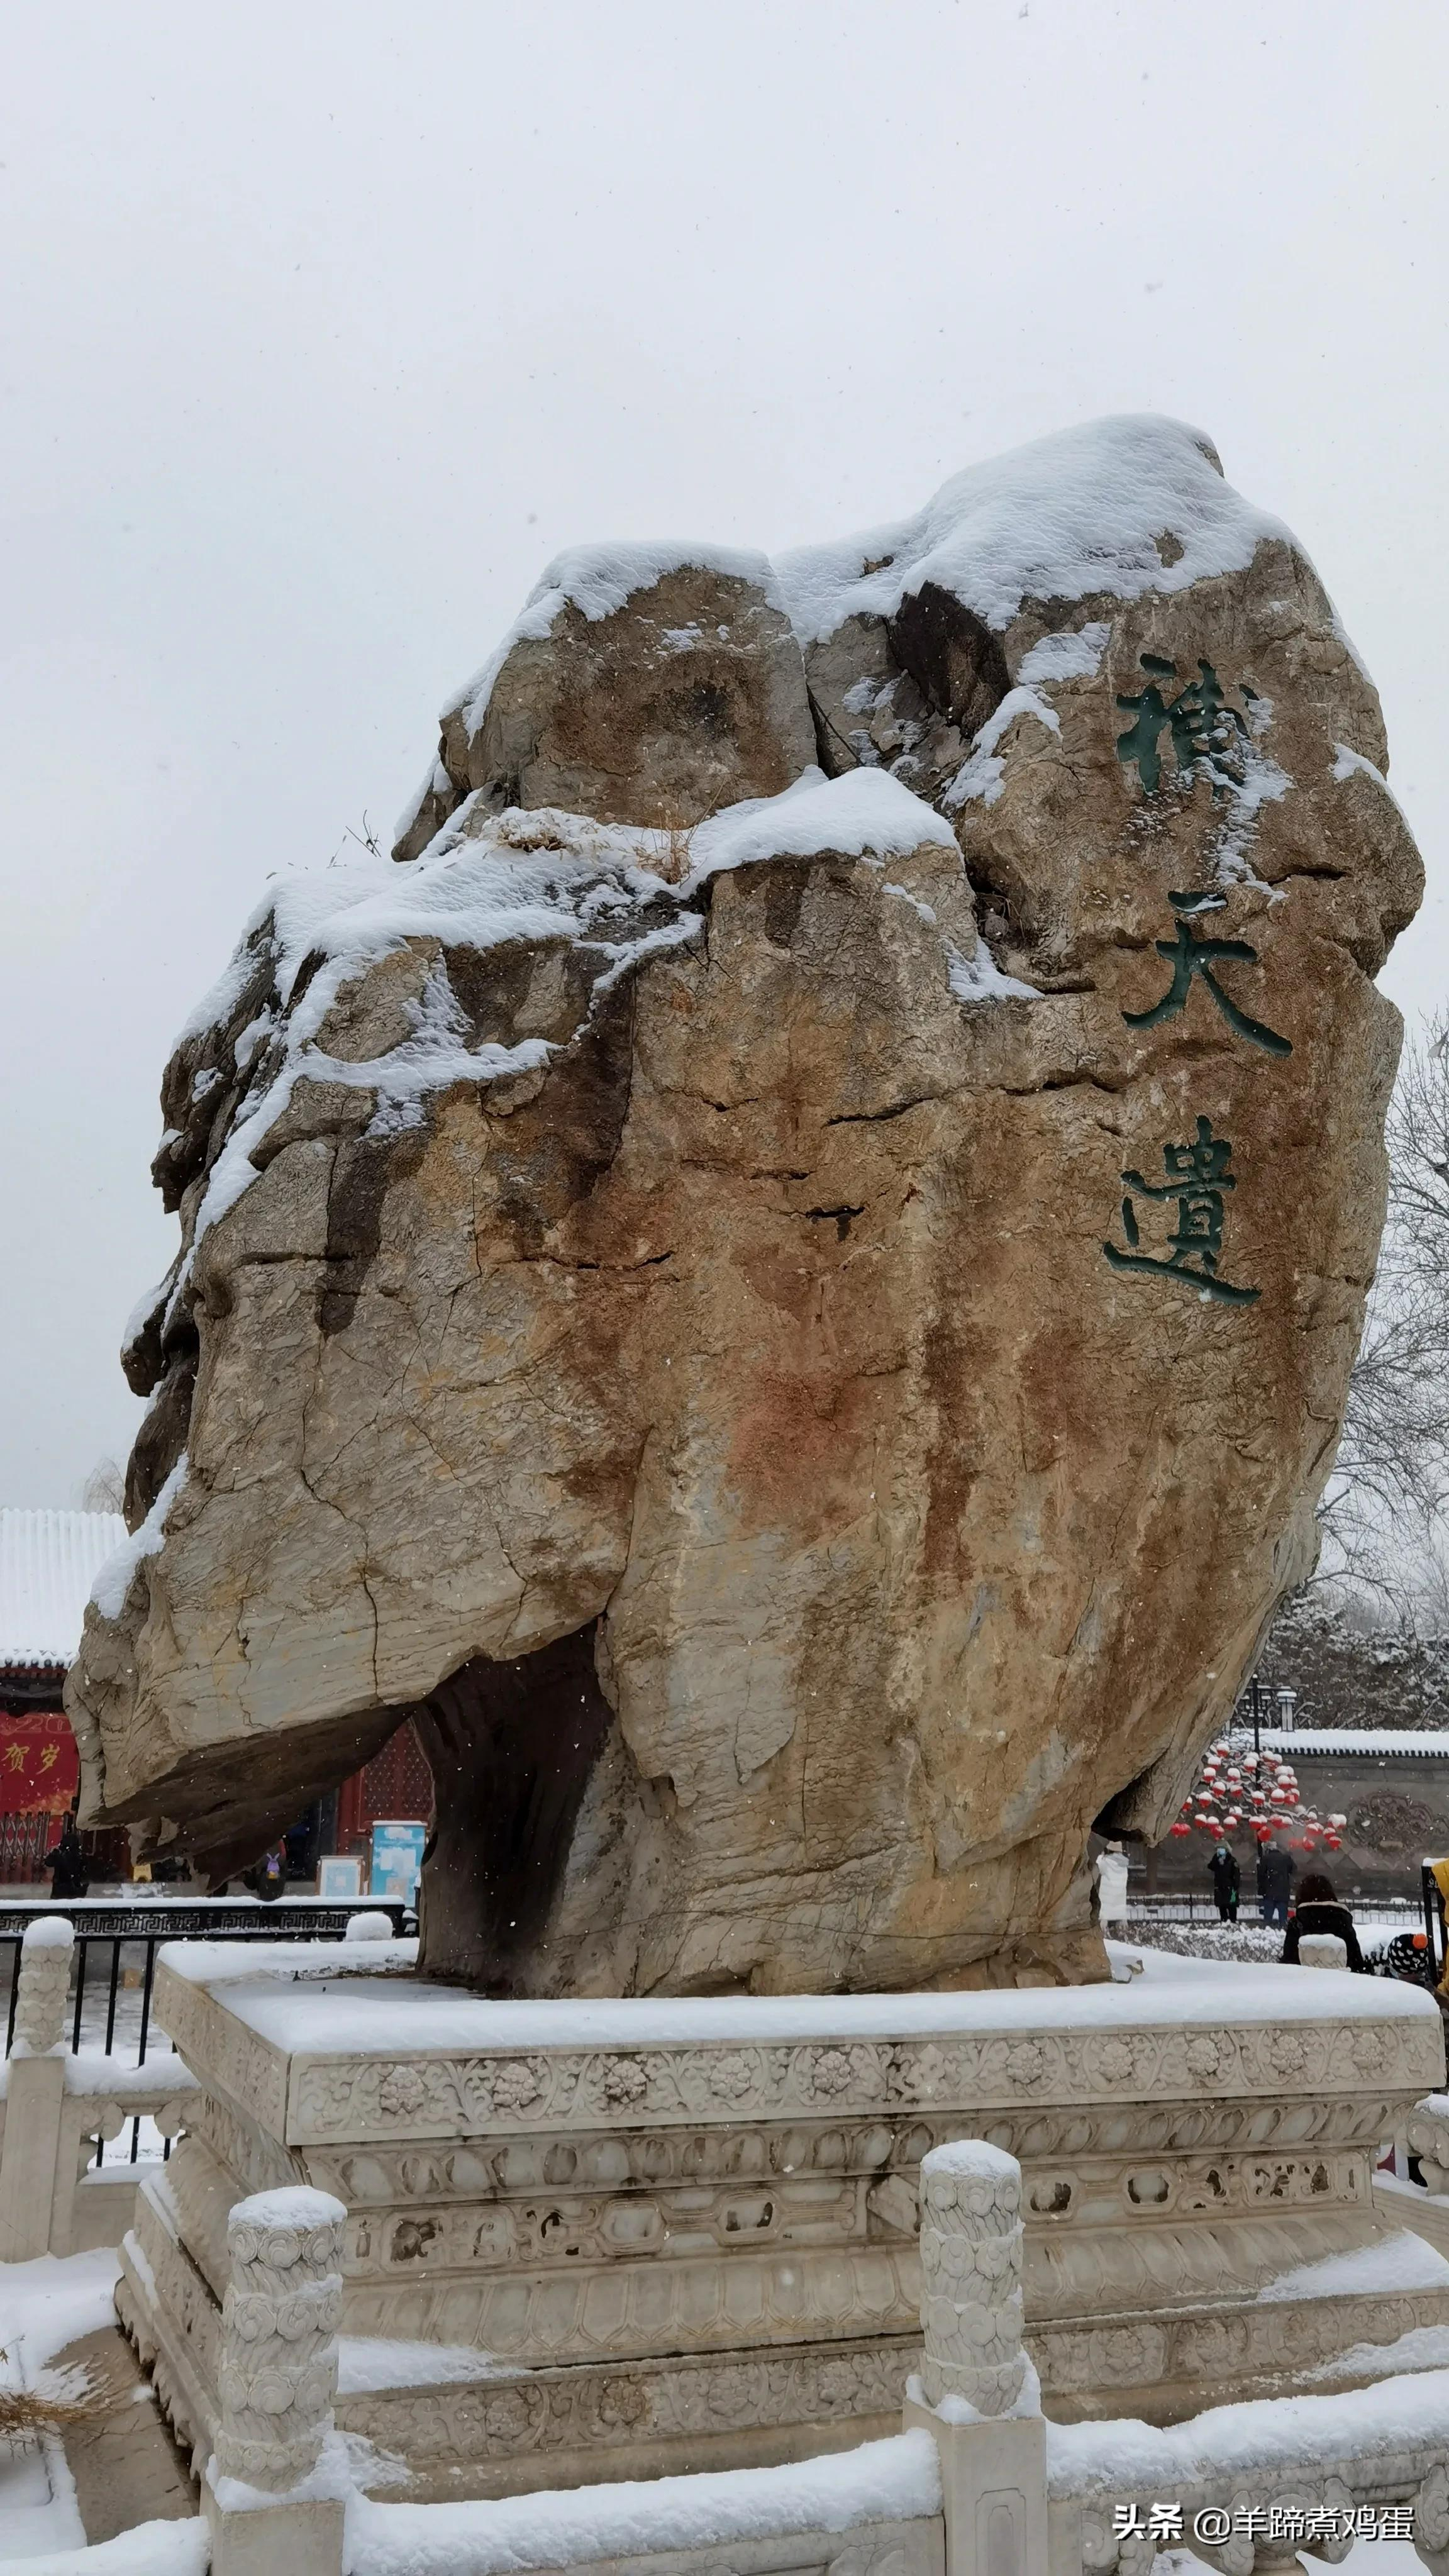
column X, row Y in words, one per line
column 686, row 2232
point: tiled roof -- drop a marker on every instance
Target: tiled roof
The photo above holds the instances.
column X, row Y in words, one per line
column 48, row 1562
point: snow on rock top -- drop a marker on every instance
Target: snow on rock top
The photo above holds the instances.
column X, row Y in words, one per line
column 484, row 881
column 1116, row 507
column 521, row 877
column 524, row 877
column 598, row 579
column 865, row 814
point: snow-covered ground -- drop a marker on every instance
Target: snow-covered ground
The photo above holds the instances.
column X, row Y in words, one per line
column 152, row 2549
column 44, row 2306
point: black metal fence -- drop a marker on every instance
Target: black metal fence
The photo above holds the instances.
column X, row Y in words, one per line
column 115, row 1962
column 1395, row 1913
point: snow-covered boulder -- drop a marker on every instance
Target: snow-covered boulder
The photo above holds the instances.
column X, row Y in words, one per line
column 795, row 1323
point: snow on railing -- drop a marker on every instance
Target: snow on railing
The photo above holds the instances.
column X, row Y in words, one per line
column 1247, row 2486
column 977, row 2479
column 59, row 2106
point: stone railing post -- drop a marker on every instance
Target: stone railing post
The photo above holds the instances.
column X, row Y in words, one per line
column 269, row 2499
column 1322, row 1950
column 1427, row 2135
column 978, row 2392
column 35, row 2091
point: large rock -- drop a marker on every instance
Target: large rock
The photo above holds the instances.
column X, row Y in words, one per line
column 805, row 1365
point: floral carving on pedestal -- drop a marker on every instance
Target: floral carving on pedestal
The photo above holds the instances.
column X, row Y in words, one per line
column 623, row 2082
column 1116, row 2060
column 734, row 2076
column 402, row 2093
column 516, row 2085
column 349, row 2100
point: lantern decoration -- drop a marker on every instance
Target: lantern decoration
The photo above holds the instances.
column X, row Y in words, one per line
column 1241, row 1790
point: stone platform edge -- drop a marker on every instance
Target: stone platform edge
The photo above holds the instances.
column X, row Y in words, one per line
column 308, row 2096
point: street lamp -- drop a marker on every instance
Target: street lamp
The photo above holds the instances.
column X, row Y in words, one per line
column 1257, row 1699
column 1287, row 1701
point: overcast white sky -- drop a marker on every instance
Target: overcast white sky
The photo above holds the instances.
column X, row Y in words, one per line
column 322, row 326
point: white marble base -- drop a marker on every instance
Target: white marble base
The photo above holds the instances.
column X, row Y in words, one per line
column 686, row 2233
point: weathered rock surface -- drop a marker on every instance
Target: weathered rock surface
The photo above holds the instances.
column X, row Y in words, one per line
column 636, row 700
column 801, row 1350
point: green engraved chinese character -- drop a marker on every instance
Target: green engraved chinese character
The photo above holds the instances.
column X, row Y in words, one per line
column 1191, row 956
column 1199, row 720
column 1197, row 1176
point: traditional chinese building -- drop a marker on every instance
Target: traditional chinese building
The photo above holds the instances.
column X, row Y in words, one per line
column 48, row 1562
column 396, row 1783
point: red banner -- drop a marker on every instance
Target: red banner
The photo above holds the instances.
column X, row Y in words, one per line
column 39, row 1764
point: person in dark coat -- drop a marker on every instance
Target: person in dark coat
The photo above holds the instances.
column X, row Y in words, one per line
column 69, row 1868
column 1318, row 1910
column 269, row 1878
column 1227, row 1882
column 1275, row 1882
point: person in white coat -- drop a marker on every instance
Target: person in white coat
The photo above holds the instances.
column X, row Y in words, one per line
column 1112, row 1888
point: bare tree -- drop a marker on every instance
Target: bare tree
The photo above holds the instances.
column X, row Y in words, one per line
column 1382, row 1516
column 104, row 1489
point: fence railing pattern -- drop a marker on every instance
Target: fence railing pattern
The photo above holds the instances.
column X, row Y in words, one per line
column 108, row 2008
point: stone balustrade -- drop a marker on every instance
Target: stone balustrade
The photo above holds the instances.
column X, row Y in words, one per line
column 1427, row 2132
column 971, row 2250
column 1322, row 1950
column 1018, row 2496
column 277, row 2381
column 58, row 2103
column 42, row 1986
column 35, row 2092
column 279, row 2335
